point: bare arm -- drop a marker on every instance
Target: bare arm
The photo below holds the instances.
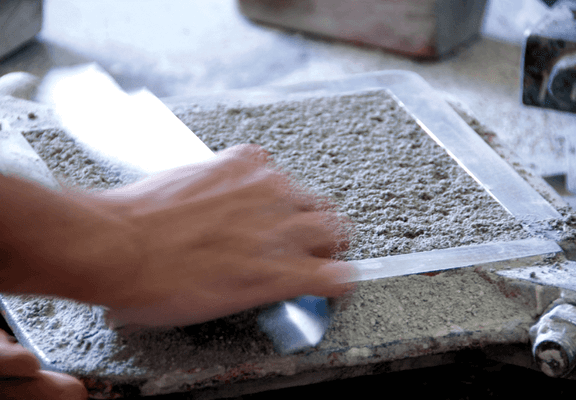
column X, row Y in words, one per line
column 59, row 243
column 183, row 247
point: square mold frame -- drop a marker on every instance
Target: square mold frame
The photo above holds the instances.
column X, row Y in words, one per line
column 444, row 125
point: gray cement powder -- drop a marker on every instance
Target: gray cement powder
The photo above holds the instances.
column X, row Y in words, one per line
column 366, row 153
column 408, row 307
column 403, row 191
column 73, row 165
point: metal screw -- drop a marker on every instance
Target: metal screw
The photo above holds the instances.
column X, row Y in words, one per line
column 554, row 341
column 562, row 81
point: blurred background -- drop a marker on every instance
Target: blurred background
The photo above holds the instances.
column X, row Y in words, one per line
column 185, row 47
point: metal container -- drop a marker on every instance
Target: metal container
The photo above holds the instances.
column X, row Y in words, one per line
column 418, row 28
column 20, row 21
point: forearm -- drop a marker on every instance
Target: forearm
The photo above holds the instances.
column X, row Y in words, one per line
column 61, row 244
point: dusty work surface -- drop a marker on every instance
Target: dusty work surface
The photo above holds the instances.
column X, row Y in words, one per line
column 405, row 195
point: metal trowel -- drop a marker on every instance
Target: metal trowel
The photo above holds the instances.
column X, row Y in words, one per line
column 136, row 130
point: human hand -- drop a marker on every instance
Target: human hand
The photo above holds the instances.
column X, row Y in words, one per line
column 22, row 379
column 220, row 237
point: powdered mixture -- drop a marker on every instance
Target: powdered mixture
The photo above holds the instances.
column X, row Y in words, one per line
column 415, row 306
column 73, row 165
column 365, row 153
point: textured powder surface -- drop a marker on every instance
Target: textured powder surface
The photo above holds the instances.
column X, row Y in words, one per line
column 409, row 307
column 402, row 190
column 69, row 333
column 363, row 151
column 74, row 336
column 73, row 165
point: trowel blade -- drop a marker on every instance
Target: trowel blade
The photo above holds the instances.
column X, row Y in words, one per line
column 135, row 129
column 452, row 258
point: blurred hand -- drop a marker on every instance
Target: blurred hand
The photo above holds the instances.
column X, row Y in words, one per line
column 219, row 237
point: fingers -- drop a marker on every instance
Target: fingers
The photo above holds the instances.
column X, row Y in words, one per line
column 300, row 198
column 249, row 152
column 26, row 380
column 46, row 386
column 15, row 360
column 320, row 234
column 237, row 166
column 251, row 156
column 333, row 279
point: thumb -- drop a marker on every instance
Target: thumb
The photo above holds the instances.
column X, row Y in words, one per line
column 251, row 152
column 335, row 279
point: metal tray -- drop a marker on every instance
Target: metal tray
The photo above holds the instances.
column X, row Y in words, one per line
column 443, row 124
